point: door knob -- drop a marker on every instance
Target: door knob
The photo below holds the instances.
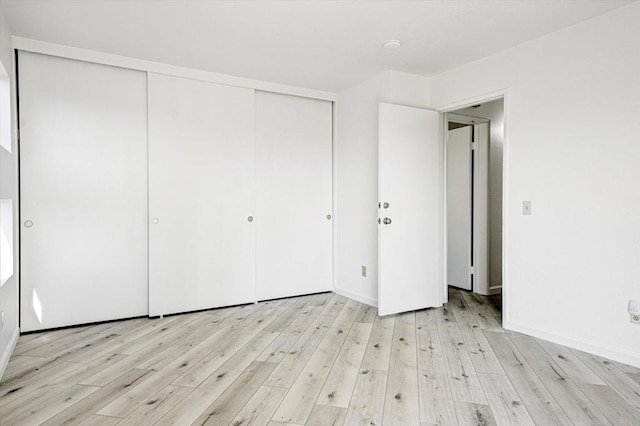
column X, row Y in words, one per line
column 28, row 224
column 250, row 219
column 385, row 205
column 155, row 220
column 386, row 221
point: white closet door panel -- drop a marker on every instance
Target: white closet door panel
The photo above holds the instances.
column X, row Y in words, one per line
column 201, row 191
column 83, row 182
column 459, row 207
column 293, row 178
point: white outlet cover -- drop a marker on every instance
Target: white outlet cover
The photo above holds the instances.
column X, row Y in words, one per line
column 634, row 307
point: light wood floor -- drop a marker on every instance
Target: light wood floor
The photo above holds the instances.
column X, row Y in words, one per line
column 313, row 360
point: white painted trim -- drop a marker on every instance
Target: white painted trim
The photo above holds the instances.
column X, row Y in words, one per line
column 495, row 290
column 465, row 119
column 86, row 55
column 480, row 99
column 356, row 297
column 609, row 352
column 6, row 356
column 443, row 243
column 505, row 210
column 334, row 194
column 481, row 209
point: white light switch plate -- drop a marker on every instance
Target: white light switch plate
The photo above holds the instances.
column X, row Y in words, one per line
column 526, row 208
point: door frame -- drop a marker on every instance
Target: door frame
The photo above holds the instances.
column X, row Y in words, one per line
column 464, row 103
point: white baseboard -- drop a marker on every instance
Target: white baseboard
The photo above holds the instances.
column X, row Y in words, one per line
column 615, row 354
column 8, row 351
column 357, row 297
column 495, row 290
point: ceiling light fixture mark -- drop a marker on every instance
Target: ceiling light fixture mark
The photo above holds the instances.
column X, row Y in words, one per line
column 391, row 44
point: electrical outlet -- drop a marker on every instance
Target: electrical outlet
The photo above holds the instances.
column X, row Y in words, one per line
column 363, row 270
column 635, row 319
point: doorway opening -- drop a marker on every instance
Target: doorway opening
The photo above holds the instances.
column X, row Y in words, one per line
column 474, row 163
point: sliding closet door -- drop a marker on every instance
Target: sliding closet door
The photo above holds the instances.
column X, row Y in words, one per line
column 83, row 192
column 201, row 195
column 293, row 178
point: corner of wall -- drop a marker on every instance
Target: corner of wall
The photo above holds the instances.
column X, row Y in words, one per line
column 9, row 190
column 356, row 160
column 409, row 89
column 7, row 351
column 357, row 176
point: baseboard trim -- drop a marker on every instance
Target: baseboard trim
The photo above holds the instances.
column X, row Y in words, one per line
column 495, row 290
column 356, row 297
column 609, row 352
column 8, row 351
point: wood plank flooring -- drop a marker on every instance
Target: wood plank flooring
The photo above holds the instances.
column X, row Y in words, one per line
column 313, row 360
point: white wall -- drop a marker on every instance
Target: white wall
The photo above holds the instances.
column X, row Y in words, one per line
column 571, row 148
column 493, row 111
column 357, row 176
column 8, row 190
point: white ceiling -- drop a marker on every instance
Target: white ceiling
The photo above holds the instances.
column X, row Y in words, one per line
column 326, row 45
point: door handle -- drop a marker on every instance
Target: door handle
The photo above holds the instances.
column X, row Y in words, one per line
column 386, row 221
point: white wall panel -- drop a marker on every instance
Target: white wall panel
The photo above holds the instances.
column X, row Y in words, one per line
column 357, row 176
column 571, row 148
column 293, row 178
column 83, row 158
column 201, row 191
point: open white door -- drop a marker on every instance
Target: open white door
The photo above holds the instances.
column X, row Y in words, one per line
column 410, row 209
column 459, row 210
column 467, row 209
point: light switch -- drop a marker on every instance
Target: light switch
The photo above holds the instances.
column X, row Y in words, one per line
column 526, row 208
